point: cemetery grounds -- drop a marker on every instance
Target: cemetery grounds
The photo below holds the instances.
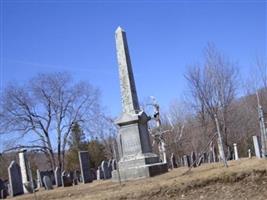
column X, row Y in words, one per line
column 243, row 179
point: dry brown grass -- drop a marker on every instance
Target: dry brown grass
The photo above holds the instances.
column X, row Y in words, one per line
column 244, row 179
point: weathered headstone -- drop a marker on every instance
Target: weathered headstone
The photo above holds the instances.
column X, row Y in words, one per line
column 66, row 179
column 249, row 153
column 76, row 177
column 49, row 173
column 256, row 146
column 15, row 179
column 105, row 169
column 173, row 161
column 47, row 183
column 58, row 177
column 85, row 166
column 24, row 170
column 110, row 168
column 236, row 152
column 114, row 164
column 39, row 179
column 136, row 157
column 98, row 174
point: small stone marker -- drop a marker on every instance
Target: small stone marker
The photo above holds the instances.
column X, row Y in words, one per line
column 249, row 153
column 47, row 183
column 105, row 169
column 256, row 146
column 76, row 175
column 15, row 179
column 114, row 164
column 85, row 166
column 110, row 168
column 39, row 179
column 66, row 179
column 98, row 174
column 58, row 177
column 236, row 152
column 50, row 174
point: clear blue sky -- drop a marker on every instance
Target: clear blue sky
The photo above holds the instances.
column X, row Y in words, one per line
column 163, row 37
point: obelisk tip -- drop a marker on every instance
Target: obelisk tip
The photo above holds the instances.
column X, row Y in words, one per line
column 119, row 29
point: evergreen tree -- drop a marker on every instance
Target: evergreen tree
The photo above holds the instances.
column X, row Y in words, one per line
column 97, row 152
column 76, row 143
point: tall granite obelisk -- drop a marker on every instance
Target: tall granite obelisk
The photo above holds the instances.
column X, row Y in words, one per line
column 136, row 157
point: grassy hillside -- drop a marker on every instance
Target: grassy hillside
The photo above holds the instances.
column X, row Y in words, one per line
column 244, row 179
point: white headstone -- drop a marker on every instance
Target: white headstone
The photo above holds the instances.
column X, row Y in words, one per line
column 236, row 152
column 256, row 146
column 249, row 153
column 24, row 170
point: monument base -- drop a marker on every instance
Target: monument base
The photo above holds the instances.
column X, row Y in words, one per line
column 144, row 166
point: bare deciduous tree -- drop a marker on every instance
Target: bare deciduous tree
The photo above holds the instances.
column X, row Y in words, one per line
column 213, row 88
column 45, row 110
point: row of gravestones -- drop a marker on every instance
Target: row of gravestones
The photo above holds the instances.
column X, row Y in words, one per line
column 104, row 171
column 191, row 160
column 210, row 157
column 47, row 179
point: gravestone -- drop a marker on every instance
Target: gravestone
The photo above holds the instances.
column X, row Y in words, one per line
column 101, row 173
column 77, row 176
column 173, row 161
column 3, row 190
column 58, row 177
column 193, row 159
column 15, row 179
column 49, row 173
column 235, row 151
column 114, row 164
column 249, row 153
column 66, row 179
column 105, row 169
column 110, row 168
column 74, row 179
column 23, row 163
column 136, row 157
column 256, row 146
column 98, row 174
column 39, row 179
column 47, row 183
column 93, row 174
column 85, row 166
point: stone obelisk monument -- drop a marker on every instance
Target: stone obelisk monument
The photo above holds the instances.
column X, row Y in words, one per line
column 136, row 157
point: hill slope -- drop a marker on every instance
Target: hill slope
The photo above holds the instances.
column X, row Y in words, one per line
column 244, row 179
